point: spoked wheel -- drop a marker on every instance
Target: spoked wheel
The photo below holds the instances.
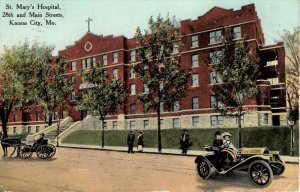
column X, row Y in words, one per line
column 277, row 168
column 260, row 173
column 42, row 152
column 204, row 169
column 25, row 151
column 51, row 150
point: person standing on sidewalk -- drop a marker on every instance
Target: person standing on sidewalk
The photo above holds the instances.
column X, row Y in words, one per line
column 130, row 141
column 184, row 141
column 140, row 145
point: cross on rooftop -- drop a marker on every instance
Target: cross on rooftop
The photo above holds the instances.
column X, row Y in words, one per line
column 88, row 20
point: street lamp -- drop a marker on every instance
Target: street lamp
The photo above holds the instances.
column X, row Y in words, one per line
column 291, row 123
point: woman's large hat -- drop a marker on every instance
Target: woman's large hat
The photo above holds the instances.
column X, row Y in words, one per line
column 225, row 134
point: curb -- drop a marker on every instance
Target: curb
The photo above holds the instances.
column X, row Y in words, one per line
column 157, row 153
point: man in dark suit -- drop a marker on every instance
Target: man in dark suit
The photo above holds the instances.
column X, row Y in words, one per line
column 184, row 141
column 130, row 141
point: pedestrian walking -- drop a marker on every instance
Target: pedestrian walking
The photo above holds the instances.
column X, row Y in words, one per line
column 140, row 138
column 184, row 139
column 130, row 141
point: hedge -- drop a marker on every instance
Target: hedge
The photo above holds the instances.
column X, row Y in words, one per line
column 275, row 138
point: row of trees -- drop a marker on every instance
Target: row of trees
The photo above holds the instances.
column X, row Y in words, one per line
column 29, row 83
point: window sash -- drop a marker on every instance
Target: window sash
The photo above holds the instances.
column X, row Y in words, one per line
column 237, row 32
column 195, row 41
column 195, row 80
column 104, row 59
column 175, row 123
column 195, row 62
column 195, row 102
column 132, row 89
column 115, row 57
column 215, row 37
column 132, row 56
column 146, row 124
column 195, row 121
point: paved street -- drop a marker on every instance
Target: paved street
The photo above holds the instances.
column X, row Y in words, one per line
column 96, row 170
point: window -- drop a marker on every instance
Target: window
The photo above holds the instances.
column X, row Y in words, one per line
column 146, row 89
column 132, row 108
column 215, row 78
column 132, row 56
column 115, row 125
column 73, row 96
column 195, row 103
column 104, row 59
column 216, row 120
column 15, row 130
column 195, row 41
column 115, row 57
column 195, row 121
column 83, row 64
column 175, row 48
column 215, row 37
column 132, row 73
column 37, row 116
column 105, row 125
column 73, row 65
column 115, row 73
column 29, row 129
column 15, row 118
column 266, row 120
column 146, row 124
column 195, row 62
column 195, row 80
column 214, row 103
column 175, row 123
column 132, row 124
column 273, row 80
column 161, row 106
column 237, row 120
column 237, row 32
column 94, row 61
column 176, row 106
column 146, row 69
column 161, row 123
column 161, row 86
column 214, row 57
column 88, row 63
column 266, row 98
column 132, row 89
column 37, row 129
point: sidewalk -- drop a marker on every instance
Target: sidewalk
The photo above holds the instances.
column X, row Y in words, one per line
column 192, row 153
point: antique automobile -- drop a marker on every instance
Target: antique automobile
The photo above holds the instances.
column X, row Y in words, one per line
column 260, row 163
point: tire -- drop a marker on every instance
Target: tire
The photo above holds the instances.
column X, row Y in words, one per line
column 277, row 168
column 260, row 173
column 204, row 169
column 25, row 152
column 42, row 152
column 51, row 150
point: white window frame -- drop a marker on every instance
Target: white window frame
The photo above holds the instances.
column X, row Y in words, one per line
column 195, row 121
column 145, row 89
column 146, row 124
column 83, row 63
column 215, row 37
column 132, row 56
column 195, row 60
column 115, row 125
column 115, row 57
column 132, row 124
column 195, row 105
column 215, row 78
column 237, row 32
column 175, row 48
column 132, row 89
column 73, row 65
column 104, row 59
column 175, row 123
column 216, row 120
column 195, row 80
column 176, row 106
column 132, row 73
column 195, row 42
column 115, row 73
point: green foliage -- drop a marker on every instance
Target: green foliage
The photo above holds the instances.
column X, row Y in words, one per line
column 52, row 87
column 105, row 96
column 18, row 76
column 274, row 138
column 159, row 69
column 234, row 64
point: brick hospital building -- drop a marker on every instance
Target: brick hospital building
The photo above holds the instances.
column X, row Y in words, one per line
column 201, row 38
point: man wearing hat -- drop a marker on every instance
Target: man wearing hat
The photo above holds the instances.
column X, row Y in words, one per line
column 130, row 141
column 184, row 139
column 226, row 141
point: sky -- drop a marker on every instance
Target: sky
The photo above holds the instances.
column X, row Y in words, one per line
column 122, row 17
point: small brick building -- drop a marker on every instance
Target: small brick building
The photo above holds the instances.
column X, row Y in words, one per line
column 200, row 38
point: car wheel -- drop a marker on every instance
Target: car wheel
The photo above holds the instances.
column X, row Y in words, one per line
column 204, row 169
column 277, row 168
column 260, row 173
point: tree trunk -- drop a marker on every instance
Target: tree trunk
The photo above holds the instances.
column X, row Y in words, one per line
column 50, row 120
column 239, row 129
column 58, row 124
column 4, row 128
column 102, row 120
column 158, row 131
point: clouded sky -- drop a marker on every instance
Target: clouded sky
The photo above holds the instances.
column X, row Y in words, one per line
column 122, row 17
